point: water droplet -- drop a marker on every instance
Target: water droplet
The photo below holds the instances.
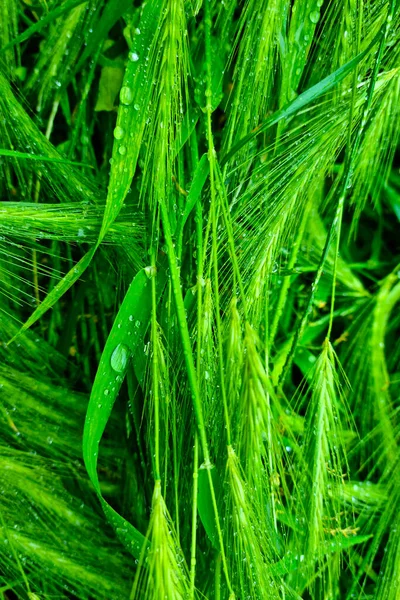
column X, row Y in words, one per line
column 126, row 95
column 314, row 16
column 136, row 106
column 119, row 358
column 133, row 56
column 122, row 150
column 150, row 271
column 119, row 133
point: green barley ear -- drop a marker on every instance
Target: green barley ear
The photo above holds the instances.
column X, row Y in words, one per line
column 162, row 571
column 167, row 106
column 389, row 580
column 379, row 144
column 11, row 59
column 208, row 368
column 258, row 32
column 383, row 522
column 46, row 529
column 323, row 466
column 369, row 371
column 259, row 442
column 59, row 53
column 249, row 542
column 19, row 133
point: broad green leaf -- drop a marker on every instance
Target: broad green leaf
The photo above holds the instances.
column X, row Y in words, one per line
column 190, row 301
column 393, row 199
column 205, row 505
column 132, row 113
column 126, row 335
column 305, row 360
column 140, row 357
column 109, row 85
column 114, row 9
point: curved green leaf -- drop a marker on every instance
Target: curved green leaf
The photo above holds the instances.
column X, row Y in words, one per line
column 126, row 334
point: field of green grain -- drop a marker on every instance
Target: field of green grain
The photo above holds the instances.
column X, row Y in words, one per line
column 199, row 300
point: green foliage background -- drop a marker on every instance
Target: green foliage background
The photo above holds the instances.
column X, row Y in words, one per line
column 200, row 277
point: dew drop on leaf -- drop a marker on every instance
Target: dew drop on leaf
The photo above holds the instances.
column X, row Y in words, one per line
column 119, row 133
column 119, row 358
column 150, row 271
column 126, row 95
